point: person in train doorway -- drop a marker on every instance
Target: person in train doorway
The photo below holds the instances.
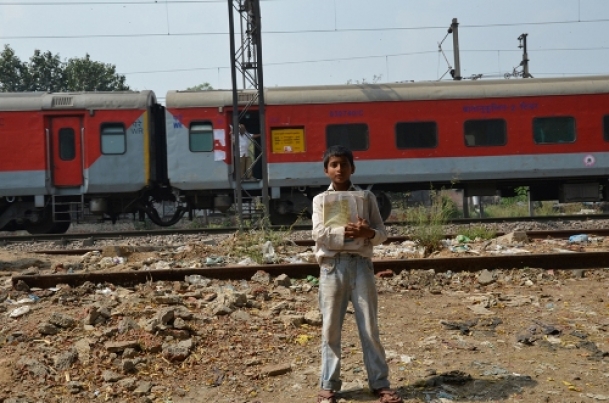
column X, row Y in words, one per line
column 347, row 274
column 246, row 145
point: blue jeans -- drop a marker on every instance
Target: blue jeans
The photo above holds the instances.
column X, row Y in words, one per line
column 345, row 278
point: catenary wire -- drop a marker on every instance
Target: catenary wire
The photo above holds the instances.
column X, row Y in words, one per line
column 306, row 31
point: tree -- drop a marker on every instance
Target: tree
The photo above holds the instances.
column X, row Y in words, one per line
column 201, row 87
column 375, row 80
column 87, row 75
column 13, row 72
column 46, row 72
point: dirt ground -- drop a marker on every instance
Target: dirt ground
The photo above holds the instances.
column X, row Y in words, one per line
column 529, row 336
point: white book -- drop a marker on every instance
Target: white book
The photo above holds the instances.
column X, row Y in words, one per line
column 341, row 208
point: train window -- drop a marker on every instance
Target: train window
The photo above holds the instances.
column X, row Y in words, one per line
column 201, row 137
column 484, row 133
column 416, row 135
column 554, row 130
column 351, row 135
column 606, row 127
column 67, row 145
column 113, row 138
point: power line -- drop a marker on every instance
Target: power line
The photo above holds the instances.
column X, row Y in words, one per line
column 368, row 57
column 114, row 3
column 306, row 31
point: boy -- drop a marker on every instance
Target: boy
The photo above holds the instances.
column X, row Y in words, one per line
column 349, row 276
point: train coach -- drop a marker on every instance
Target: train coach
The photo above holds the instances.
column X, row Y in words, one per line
column 485, row 137
column 70, row 156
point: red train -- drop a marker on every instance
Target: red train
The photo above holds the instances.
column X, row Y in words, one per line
column 68, row 156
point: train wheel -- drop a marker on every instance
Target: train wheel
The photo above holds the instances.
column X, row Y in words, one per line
column 285, row 220
column 60, row 227
column 43, row 225
column 384, row 203
column 12, row 226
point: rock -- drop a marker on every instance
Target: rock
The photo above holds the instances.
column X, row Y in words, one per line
column 512, row 237
column 486, row 277
column 31, row 271
column 176, row 352
column 127, row 366
column 279, row 307
column 170, row 299
column 116, row 251
column 65, row 360
column 74, row 387
column 282, row 280
column 111, row 376
column 385, row 274
column 578, row 273
column 313, row 318
column 220, row 310
column 129, row 353
column 180, row 324
column 88, row 242
column 120, row 346
column 62, row 320
column 128, row 383
column 143, row 388
column 47, row 329
column 293, row 320
column 127, row 324
column 34, row 368
column 262, row 277
column 83, row 347
column 275, row 370
column 165, row 316
column 21, row 286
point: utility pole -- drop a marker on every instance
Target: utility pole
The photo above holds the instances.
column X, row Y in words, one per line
column 247, row 59
column 525, row 56
column 454, row 29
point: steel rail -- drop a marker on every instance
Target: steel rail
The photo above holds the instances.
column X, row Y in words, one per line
column 557, row 261
column 134, row 234
column 299, row 227
column 553, row 234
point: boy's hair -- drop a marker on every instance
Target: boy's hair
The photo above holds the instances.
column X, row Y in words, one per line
column 337, row 151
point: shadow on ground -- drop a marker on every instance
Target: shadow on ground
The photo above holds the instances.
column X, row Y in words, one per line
column 457, row 386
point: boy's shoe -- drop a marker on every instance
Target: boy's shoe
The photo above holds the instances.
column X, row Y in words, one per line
column 387, row 395
column 326, row 396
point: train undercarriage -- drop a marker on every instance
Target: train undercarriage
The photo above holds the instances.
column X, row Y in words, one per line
column 166, row 206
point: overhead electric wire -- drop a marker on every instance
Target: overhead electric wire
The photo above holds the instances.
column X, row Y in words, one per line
column 365, row 57
column 306, row 31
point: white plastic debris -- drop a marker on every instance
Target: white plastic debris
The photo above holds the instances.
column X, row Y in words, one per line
column 247, row 262
column 22, row 310
column 268, row 252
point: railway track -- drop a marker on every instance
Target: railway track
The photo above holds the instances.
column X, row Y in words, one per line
column 554, row 234
column 555, row 261
column 5, row 238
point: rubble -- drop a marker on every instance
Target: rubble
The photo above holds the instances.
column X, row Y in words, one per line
column 492, row 335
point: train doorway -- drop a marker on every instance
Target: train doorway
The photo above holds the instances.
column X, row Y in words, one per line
column 251, row 120
column 66, row 151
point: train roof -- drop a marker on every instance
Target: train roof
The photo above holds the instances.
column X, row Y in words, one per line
column 40, row 101
column 432, row 90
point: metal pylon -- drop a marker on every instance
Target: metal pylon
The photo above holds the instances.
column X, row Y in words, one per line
column 247, row 60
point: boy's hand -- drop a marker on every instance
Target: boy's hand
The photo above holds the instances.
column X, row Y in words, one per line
column 359, row 229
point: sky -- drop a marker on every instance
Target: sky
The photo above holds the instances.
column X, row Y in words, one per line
column 175, row 44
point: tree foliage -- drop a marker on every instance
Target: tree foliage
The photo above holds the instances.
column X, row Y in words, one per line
column 201, row 87
column 46, row 72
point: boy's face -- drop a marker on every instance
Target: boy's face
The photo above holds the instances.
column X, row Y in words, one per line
column 339, row 171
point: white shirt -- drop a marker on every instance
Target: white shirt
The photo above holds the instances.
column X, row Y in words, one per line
column 244, row 144
column 329, row 241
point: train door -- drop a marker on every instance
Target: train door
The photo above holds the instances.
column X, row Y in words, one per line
column 251, row 120
column 66, row 151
